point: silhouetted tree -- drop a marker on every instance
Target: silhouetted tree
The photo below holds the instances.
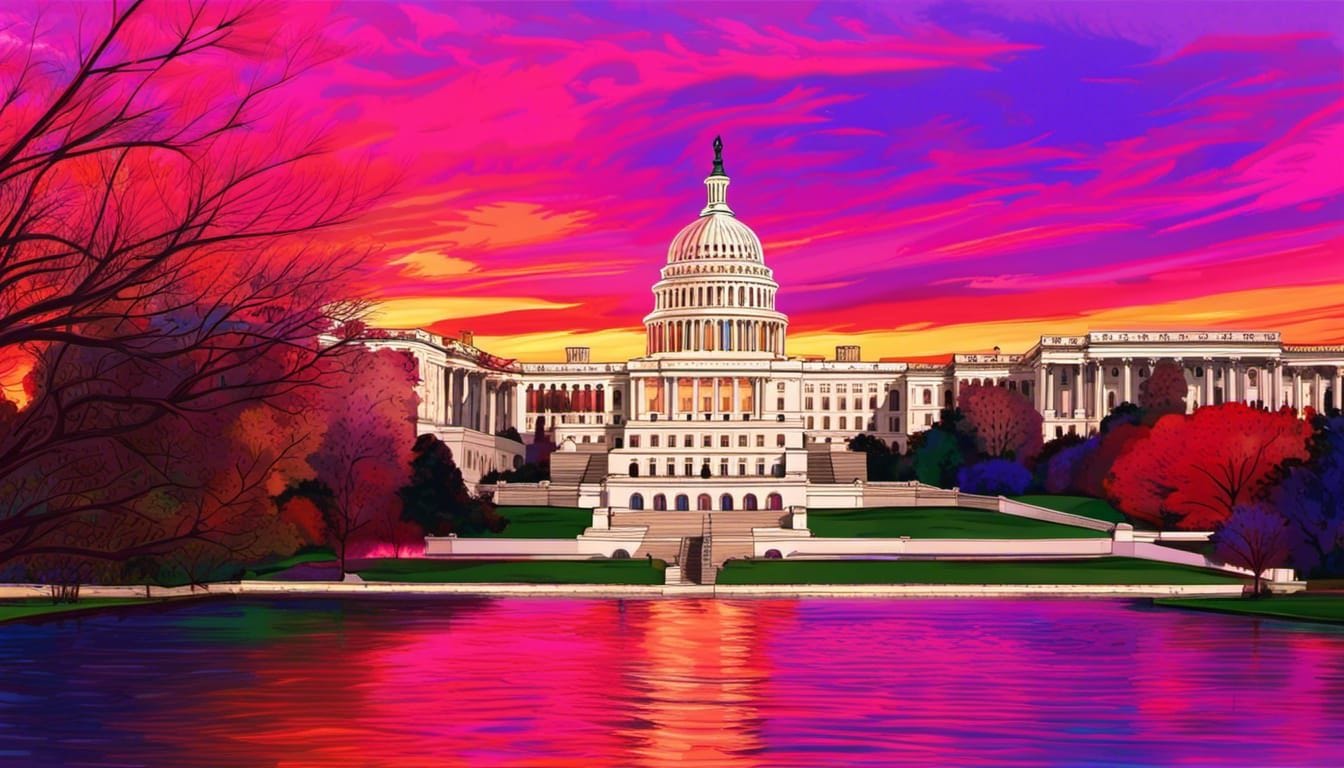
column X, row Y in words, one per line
column 1310, row 495
column 1004, row 423
column 437, row 499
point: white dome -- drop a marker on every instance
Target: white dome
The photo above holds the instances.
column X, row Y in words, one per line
column 714, row 236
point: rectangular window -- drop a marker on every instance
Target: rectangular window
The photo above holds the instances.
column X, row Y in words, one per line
column 653, row 441
column 779, row 387
column 825, row 389
column 928, row 419
column 724, row 441
column 779, row 404
column 741, row 468
column 689, row 467
column 807, row 404
column 653, row 468
column 844, row 422
column 808, row 389
column 723, row 468
column 708, row 442
column 634, row 441
column 741, row 441
column 872, row 388
column 825, row 403
column 844, row 403
column 811, row 422
column 840, row 389
column 760, row 441
column 760, row 468
column 671, row 441
column 671, row 468
column 779, row 440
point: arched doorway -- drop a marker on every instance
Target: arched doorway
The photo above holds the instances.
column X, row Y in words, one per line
column 660, row 503
column 634, row 469
column 726, row 502
column 636, row 501
column 749, row 501
column 683, row 502
column 774, row 501
column 703, row 502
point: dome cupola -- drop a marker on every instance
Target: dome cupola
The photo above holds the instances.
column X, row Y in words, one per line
column 716, row 295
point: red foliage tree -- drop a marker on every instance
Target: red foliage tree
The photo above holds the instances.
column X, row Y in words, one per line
column 1004, row 422
column 158, row 276
column 370, row 411
column 1194, row 470
column 1163, row 392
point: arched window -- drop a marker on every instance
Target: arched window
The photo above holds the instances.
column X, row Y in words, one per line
column 928, row 397
column 749, row 501
column 726, row 502
column 1199, row 371
column 703, row 502
column 634, row 467
column 636, row 501
column 660, row 502
column 774, row 501
column 683, row 502
column 1110, row 401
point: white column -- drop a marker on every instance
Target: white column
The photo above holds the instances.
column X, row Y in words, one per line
column 1040, row 387
column 636, row 397
column 447, row 414
column 695, row 397
column 1208, row 382
column 1338, row 389
column 1297, row 390
column 670, row 395
column 1050, row 393
column 1317, row 393
column 1128, row 373
column 1230, row 382
column 714, row 398
column 1098, row 390
column 1278, row 386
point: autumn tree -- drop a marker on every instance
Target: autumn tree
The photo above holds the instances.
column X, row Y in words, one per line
column 1195, row 469
column 157, row 266
column 1163, row 392
column 1254, row 537
column 369, row 410
column 1004, row 422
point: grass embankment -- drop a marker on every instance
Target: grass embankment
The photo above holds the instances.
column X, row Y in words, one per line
column 1083, row 506
column 1300, row 607
column 12, row 610
column 543, row 522
column 270, row 569
column 938, row 523
column 1105, row 570
column 637, row 571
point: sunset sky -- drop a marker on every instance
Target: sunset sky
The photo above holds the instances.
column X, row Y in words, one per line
column 926, row 177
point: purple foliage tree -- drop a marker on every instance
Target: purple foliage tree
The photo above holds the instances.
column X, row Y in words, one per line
column 1311, row 497
column 995, row 477
column 1254, row 537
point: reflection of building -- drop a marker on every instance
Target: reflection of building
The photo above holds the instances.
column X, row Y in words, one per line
column 716, row 394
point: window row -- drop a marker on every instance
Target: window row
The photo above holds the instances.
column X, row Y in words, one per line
column 754, row 296
column 705, row 503
column 688, row 467
column 688, row 440
column 563, row 398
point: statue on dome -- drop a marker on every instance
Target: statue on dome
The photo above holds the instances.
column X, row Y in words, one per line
column 718, row 158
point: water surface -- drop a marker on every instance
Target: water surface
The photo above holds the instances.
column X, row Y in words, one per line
column 513, row 681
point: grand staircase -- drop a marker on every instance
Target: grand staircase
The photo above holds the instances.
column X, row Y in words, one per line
column 699, row 542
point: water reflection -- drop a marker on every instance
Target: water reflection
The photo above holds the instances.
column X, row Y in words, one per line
column 665, row 682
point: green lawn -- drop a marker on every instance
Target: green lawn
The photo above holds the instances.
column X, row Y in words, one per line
column 544, row 522
column 11, row 610
column 1083, row 506
column 1106, row 570
column 1321, row 608
column 937, row 523
column 636, row 571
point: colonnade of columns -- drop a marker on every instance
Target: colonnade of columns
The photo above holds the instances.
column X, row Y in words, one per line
column 1073, row 390
column 476, row 401
column 675, row 396
column 715, row 335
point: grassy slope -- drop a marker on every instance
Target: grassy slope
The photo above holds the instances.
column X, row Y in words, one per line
column 12, row 610
column 517, row 571
column 1084, row 506
column 1107, row 570
column 1323, row 608
column 938, row 523
column 544, row 522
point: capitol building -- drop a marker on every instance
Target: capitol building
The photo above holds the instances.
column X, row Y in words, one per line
column 716, row 415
